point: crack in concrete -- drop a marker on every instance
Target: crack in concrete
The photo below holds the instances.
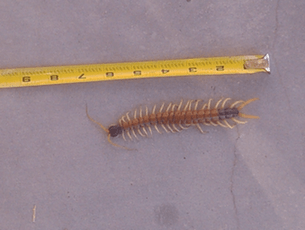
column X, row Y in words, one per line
column 232, row 182
column 276, row 24
column 272, row 48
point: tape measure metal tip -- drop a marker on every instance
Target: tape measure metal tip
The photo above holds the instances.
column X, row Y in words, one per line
column 262, row 63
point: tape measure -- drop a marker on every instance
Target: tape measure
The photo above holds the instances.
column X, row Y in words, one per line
column 21, row 77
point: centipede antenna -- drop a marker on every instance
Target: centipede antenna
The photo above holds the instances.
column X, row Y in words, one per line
column 243, row 105
column 94, row 121
column 116, row 145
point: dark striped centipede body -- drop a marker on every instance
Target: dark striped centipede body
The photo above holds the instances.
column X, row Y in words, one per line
column 177, row 117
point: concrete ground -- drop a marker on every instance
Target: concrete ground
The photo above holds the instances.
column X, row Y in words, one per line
column 53, row 158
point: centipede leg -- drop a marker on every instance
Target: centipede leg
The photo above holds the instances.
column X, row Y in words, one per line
column 173, row 125
column 179, row 107
column 153, row 112
column 217, row 103
column 238, row 121
column 203, row 107
column 131, row 128
column 175, row 128
column 154, row 109
column 141, row 125
column 230, row 126
column 138, row 127
column 148, row 126
column 204, row 122
column 198, row 126
column 186, row 105
column 121, row 124
column 123, row 135
column 139, row 131
column 127, row 131
column 162, row 125
column 196, row 104
column 235, row 103
column 209, row 103
column 190, row 105
column 156, row 127
column 224, row 102
column 168, row 126
column 222, row 125
column 180, row 125
column 185, row 108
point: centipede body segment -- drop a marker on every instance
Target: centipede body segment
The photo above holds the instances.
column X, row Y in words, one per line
column 173, row 118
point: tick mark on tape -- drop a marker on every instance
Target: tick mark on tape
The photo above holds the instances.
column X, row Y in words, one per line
column 164, row 71
column 82, row 76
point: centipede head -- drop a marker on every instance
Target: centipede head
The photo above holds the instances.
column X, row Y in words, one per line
column 112, row 131
column 115, row 130
column 243, row 105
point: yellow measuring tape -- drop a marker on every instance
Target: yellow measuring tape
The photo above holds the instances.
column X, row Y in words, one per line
column 21, row 77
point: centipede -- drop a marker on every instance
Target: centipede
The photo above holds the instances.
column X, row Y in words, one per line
column 176, row 117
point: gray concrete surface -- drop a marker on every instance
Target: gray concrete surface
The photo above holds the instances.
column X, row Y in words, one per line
column 52, row 156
